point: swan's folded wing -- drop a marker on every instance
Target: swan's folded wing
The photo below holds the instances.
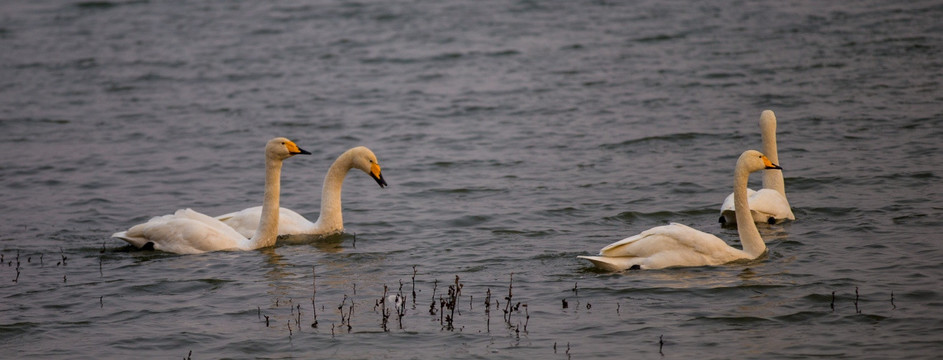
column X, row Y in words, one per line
column 666, row 239
column 771, row 203
column 665, row 246
column 699, row 242
column 728, row 202
column 646, row 243
column 244, row 221
column 247, row 220
column 136, row 235
column 211, row 222
column 292, row 223
column 183, row 232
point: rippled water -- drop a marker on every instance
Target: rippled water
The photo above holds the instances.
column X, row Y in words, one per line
column 515, row 136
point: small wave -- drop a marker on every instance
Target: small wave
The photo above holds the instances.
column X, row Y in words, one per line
column 921, row 175
column 566, row 210
column 801, row 316
column 90, row 201
column 805, row 183
column 465, row 190
column 832, row 211
column 670, row 138
column 180, row 287
column 573, row 47
column 469, row 220
column 629, row 216
column 33, row 121
column 739, row 288
column 733, row 320
column 11, row 331
column 266, row 31
column 524, row 233
column 95, row 5
column 723, row 75
column 558, row 255
column 441, row 57
column 501, row 53
column 922, row 295
column 660, row 38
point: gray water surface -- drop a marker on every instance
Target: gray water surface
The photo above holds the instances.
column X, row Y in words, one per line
column 515, row 136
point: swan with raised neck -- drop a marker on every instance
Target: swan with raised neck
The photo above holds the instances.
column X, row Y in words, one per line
column 330, row 220
column 190, row 232
column 769, row 204
column 679, row 245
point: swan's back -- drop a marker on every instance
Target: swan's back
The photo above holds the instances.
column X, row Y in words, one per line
column 665, row 246
column 245, row 221
column 772, row 202
column 764, row 204
column 184, row 232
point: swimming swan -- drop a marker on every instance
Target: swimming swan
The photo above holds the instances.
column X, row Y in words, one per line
column 330, row 221
column 769, row 204
column 189, row 232
column 680, row 245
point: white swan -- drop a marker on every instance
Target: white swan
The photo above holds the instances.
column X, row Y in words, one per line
column 769, row 204
column 189, row 232
column 330, row 221
column 680, row 245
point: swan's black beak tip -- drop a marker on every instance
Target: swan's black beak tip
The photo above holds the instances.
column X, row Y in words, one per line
column 301, row 152
column 380, row 181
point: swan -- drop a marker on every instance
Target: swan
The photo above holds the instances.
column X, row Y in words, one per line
column 679, row 245
column 769, row 204
column 330, row 221
column 190, row 232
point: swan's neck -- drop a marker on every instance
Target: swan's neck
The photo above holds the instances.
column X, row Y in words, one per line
column 772, row 179
column 331, row 218
column 267, row 232
column 749, row 236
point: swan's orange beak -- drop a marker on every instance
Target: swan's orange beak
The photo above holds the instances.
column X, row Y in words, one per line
column 770, row 165
column 376, row 175
column 295, row 150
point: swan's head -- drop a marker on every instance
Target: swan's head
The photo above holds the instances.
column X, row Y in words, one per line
column 364, row 159
column 281, row 148
column 768, row 120
column 752, row 160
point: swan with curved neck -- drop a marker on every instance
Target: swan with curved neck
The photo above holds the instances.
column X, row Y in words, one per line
column 679, row 245
column 769, row 204
column 331, row 220
column 189, row 232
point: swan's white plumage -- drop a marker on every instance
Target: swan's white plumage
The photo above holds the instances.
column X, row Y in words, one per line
column 680, row 245
column 184, row 232
column 330, row 220
column 764, row 204
column 769, row 202
column 246, row 221
column 666, row 246
column 190, row 232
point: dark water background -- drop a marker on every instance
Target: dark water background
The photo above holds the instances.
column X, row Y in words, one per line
column 515, row 135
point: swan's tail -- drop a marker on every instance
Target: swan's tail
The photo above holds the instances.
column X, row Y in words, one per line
column 615, row 263
column 138, row 242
